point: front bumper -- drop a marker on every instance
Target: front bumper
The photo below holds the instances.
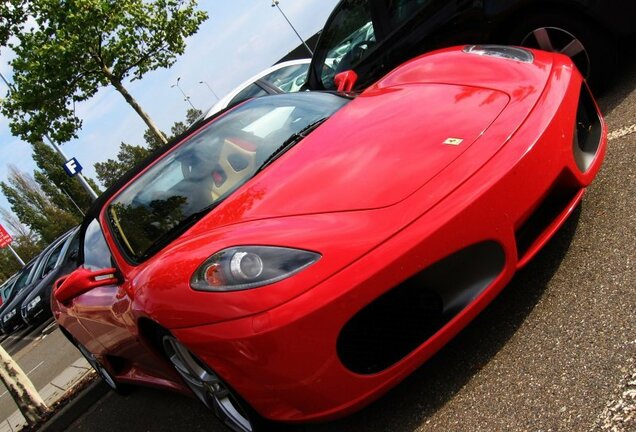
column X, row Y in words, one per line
column 12, row 324
column 286, row 362
column 38, row 313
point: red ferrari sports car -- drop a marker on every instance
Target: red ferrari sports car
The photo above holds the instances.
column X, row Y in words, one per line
column 294, row 257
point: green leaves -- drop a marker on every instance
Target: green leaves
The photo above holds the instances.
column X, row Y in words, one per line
column 12, row 19
column 34, row 208
column 56, row 184
column 129, row 155
column 50, row 202
column 78, row 46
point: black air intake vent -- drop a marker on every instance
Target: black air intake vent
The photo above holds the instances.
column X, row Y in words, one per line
column 588, row 129
column 396, row 323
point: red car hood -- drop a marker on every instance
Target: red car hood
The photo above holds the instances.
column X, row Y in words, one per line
column 373, row 153
column 394, row 138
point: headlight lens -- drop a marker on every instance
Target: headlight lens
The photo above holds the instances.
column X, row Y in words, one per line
column 9, row 315
column 246, row 267
column 33, row 303
column 505, row 52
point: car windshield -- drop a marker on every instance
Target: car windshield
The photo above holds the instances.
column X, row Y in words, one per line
column 208, row 166
column 289, row 79
column 6, row 288
column 23, row 279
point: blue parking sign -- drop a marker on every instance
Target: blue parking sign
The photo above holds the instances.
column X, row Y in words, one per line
column 72, row 167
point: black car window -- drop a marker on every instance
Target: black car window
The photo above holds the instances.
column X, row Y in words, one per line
column 6, row 288
column 73, row 249
column 249, row 92
column 289, row 79
column 52, row 259
column 349, row 37
column 23, row 278
column 96, row 253
column 402, row 10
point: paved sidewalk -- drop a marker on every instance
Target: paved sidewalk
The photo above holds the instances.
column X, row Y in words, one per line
column 52, row 392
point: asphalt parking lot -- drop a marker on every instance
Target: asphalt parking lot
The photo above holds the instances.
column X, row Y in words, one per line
column 42, row 352
column 551, row 353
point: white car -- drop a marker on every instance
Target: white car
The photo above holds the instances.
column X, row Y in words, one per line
column 285, row 77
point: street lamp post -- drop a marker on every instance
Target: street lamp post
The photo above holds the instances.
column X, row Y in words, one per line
column 185, row 97
column 57, row 148
column 275, row 4
column 210, row 88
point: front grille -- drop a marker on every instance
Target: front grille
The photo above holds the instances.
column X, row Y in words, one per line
column 559, row 197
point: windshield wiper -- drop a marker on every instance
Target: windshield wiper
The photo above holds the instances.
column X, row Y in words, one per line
column 290, row 142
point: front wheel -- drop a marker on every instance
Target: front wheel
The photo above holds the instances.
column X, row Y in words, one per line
column 101, row 370
column 210, row 389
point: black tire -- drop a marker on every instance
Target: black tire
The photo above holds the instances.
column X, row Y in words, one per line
column 598, row 57
column 228, row 406
column 103, row 371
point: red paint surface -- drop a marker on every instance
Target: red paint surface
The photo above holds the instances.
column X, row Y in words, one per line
column 377, row 192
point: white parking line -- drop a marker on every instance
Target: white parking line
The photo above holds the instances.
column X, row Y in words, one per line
column 627, row 130
column 39, row 364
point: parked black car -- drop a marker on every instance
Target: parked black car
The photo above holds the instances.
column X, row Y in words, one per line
column 8, row 313
column 61, row 260
column 372, row 37
column 10, row 319
column 6, row 289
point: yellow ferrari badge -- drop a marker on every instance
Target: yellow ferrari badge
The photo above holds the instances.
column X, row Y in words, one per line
column 453, row 141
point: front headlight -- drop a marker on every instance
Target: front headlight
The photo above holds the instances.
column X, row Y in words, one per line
column 246, row 267
column 9, row 315
column 33, row 303
column 504, row 52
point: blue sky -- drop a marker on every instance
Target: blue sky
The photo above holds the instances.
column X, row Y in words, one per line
column 241, row 38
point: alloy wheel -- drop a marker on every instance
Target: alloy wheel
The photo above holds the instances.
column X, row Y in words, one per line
column 207, row 386
column 555, row 39
column 99, row 368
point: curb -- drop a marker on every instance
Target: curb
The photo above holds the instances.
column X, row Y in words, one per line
column 76, row 407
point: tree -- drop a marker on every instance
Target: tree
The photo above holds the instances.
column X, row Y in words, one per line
column 33, row 207
column 129, row 155
column 21, row 388
column 25, row 243
column 78, row 46
column 56, row 184
column 14, row 225
column 25, row 246
column 12, row 18
column 180, row 127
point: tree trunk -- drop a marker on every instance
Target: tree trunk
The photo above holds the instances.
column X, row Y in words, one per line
column 133, row 103
column 21, row 389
